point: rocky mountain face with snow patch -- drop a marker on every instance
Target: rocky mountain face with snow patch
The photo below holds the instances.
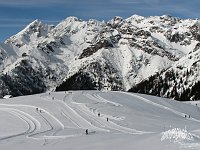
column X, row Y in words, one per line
column 180, row 82
column 120, row 54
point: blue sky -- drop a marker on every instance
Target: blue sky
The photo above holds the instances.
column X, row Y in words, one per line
column 16, row 14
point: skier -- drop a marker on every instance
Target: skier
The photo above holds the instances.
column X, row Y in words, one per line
column 52, row 98
column 86, row 131
column 185, row 116
column 36, row 109
column 98, row 114
column 107, row 119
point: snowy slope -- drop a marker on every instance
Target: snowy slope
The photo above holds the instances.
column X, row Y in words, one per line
column 113, row 55
column 180, row 82
column 136, row 46
column 59, row 120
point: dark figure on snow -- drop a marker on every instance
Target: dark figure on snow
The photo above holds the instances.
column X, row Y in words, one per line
column 36, row 109
column 40, row 111
column 52, row 98
column 107, row 119
column 86, row 131
column 49, row 93
column 98, row 114
column 185, row 116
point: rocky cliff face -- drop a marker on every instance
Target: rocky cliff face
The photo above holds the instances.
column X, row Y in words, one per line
column 116, row 55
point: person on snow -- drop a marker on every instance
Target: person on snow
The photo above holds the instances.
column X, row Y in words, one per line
column 86, row 131
column 107, row 119
column 98, row 114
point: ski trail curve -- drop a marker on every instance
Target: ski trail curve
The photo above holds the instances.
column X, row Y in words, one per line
column 163, row 107
column 32, row 123
column 96, row 95
column 101, row 122
column 45, row 115
column 70, row 114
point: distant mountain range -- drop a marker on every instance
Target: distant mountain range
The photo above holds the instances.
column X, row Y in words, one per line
column 157, row 55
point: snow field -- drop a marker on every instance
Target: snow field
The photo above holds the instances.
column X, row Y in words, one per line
column 59, row 120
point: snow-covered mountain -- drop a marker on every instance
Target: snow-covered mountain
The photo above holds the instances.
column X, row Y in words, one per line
column 180, row 82
column 114, row 55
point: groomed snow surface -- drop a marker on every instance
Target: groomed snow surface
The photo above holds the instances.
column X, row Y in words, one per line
column 58, row 121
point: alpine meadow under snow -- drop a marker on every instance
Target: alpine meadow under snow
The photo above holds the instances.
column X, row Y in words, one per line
column 59, row 120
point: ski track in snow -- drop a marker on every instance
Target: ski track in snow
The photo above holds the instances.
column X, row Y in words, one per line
column 32, row 123
column 72, row 115
column 96, row 97
column 90, row 120
column 78, row 114
column 105, row 100
column 78, row 119
column 101, row 121
column 162, row 106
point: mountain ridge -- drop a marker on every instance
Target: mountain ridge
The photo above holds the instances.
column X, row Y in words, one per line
column 115, row 55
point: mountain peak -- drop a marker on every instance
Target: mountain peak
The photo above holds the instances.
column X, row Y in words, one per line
column 115, row 55
column 71, row 19
column 135, row 16
column 31, row 26
column 33, row 31
column 35, row 22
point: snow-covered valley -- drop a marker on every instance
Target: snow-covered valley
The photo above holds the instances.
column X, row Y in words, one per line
column 115, row 120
